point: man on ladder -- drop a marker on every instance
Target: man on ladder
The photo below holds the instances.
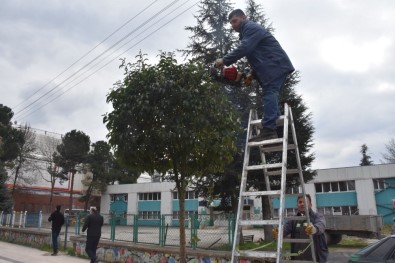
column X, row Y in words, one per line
column 269, row 62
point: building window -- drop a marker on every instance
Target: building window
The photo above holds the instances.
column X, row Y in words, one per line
column 318, row 188
column 351, row 185
column 118, row 197
column 342, row 186
column 150, row 196
column 379, row 184
column 149, row 215
column 335, row 186
column 294, row 189
column 188, row 195
column 338, row 210
column 288, row 212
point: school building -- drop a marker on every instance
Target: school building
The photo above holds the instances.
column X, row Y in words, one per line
column 364, row 190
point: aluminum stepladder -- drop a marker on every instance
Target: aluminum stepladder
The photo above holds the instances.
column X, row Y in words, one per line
column 270, row 170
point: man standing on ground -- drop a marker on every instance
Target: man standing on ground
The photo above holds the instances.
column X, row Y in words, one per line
column 93, row 222
column 57, row 220
column 302, row 230
column 269, row 62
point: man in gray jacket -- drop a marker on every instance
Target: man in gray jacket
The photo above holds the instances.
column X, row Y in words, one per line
column 269, row 62
column 301, row 230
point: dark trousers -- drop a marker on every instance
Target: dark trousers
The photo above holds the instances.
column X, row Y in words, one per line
column 91, row 245
column 55, row 235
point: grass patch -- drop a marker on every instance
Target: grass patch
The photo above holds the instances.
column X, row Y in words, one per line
column 351, row 242
column 386, row 231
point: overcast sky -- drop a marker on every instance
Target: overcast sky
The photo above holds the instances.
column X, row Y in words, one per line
column 344, row 50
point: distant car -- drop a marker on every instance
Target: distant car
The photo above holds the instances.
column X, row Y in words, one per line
column 378, row 252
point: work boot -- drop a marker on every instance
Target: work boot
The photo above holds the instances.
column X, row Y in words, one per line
column 265, row 134
column 55, row 253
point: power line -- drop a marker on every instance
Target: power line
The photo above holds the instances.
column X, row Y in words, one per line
column 82, row 57
column 86, row 65
column 31, row 112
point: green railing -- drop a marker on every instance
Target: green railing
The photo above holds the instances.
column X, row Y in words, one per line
column 201, row 231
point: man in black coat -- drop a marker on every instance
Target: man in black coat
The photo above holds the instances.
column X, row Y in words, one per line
column 93, row 222
column 57, row 220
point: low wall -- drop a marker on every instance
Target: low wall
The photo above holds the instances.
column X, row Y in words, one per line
column 127, row 252
column 29, row 237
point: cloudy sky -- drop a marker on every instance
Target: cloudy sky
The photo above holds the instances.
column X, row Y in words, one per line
column 55, row 68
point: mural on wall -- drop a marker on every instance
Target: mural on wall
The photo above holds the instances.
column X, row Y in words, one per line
column 23, row 238
column 122, row 255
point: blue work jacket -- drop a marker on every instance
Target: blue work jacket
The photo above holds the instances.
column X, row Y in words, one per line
column 264, row 54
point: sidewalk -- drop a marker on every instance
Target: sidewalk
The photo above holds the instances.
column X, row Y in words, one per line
column 12, row 253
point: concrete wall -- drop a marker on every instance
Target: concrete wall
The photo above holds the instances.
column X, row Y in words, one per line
column 114, row 252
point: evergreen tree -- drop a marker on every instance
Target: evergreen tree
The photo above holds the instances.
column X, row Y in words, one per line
column 71, row 153
column 8, row 140
column 212, row 36
column 205, row 34
column 366, row 159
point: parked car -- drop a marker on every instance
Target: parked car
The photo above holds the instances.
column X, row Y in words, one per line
column 378, row 252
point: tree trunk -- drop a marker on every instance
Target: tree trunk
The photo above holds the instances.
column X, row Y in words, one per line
column 18, row 167
column 266, row 215
column 52, row 187
column 71, row 190
column 88, row 196
column 181, row 199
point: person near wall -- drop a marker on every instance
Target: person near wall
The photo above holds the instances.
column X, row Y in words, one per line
column 302, row 230
column 93, row 223
column 57, row 220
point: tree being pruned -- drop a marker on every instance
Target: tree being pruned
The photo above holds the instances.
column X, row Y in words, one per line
column 169, row 118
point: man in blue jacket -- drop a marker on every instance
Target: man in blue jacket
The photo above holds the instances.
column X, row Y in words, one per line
column 269, row 62
column 57, row 220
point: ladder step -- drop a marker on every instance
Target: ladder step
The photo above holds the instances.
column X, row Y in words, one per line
column 296, row 240
column 273, row 192
column 278, row 142
column 277, row 148
column 264, row 166
column 278, row 172
column 256, row 254
column 258, row 222
column 258, row 122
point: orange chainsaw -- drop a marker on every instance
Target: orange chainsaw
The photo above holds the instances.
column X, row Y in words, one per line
column 230, row 76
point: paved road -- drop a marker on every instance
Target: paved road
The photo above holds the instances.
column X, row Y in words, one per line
column 12, row 253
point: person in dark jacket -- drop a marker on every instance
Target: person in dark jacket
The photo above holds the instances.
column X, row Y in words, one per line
column 302, row 230
column 269, row 62
column 57, row 220
column 93, row 222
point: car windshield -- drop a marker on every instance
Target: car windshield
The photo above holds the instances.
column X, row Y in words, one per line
column 371, row 246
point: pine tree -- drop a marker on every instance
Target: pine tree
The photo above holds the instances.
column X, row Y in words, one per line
column 204, row 40
column 366, row 159
column 212, row 36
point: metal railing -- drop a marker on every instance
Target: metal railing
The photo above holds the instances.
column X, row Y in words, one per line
column 201, row 230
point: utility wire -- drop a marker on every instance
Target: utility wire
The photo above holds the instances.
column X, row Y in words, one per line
column 86, row 65
column 82, row 57
column 28, row 114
